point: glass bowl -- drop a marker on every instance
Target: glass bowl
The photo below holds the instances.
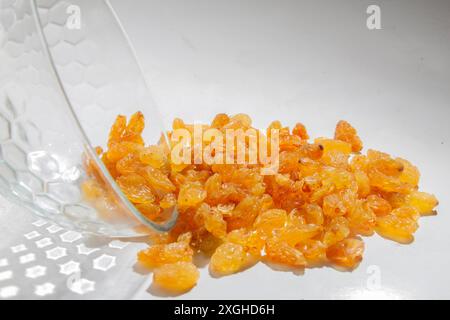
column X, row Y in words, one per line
column 67, row 71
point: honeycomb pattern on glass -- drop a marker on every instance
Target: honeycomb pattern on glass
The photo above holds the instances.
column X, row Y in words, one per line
column 33, row 170
column 40, row 145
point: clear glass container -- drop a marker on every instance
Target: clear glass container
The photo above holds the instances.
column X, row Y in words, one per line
column 66, row 71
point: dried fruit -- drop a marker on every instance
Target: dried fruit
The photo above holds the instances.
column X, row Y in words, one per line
column 213, row 221
column 157, row 179
column 314, row 251
column 191, row 194
column 149, row 210
column 362, row 219
column 159, row 254
column 294, row 235
column 153, row 156
column 309, row 213
column 378, row 205
column 336, row 230
column 346, row 253
column 270, row 220
column 334, row 206
column 300, row 131
column 345, row 132
column 176, row 277
column 252, row 241
column 169, row 200
column 135, row 188
column 279, row 251
column 399, row 225
column 422, row 201
column 228, row 258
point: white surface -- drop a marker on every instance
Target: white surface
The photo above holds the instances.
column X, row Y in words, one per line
column 314, row 62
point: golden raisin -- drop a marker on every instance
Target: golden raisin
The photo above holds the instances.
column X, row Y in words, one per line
column 228, row 258
column 159, row 254
column 345, row 132
column 280, row 252
column 399, row 225
column 269, row 220
column 176, row 277
column 346, row 253
column 135, row 188
column 422, row 201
